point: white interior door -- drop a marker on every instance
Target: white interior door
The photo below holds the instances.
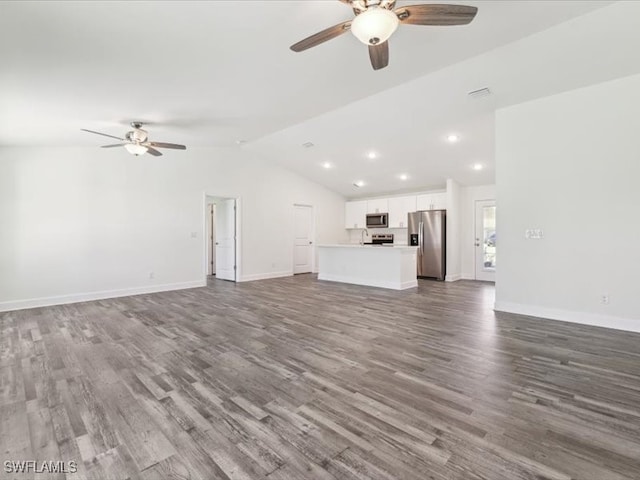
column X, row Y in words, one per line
column 211, row 240
column 303, row 239
column 485, row 241
column 210, row 244
column 225, row 236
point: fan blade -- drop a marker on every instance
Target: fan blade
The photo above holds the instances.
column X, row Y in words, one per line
column 114, row 145
column 154, row 152
column 379, row 55
column 321, row 37
column 436, row 14
column 358, row 6
column 165, row 145
column 103, row 134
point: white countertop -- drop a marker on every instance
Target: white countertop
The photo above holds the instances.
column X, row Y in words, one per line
column 372, row 247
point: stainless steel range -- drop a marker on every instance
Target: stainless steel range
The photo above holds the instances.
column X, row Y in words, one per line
column 382, row 239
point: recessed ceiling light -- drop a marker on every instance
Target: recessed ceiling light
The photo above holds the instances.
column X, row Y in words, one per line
column 241, row 142
column 358, row 183
column 403, row 176
column 307, row 144
column 372, row 155
column 326, row 165
column 453, row 138
column 477, row 166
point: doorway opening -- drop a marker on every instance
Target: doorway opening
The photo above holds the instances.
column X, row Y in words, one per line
column 303, row 241
column 485, row 244
column 222, row 239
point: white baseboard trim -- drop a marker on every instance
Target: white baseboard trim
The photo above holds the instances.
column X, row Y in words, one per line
column 101, row 295
column 369, row 282
column 265, row 276
column 409, row 284
column 468, row 276
column 594, row 319
column 453, row 278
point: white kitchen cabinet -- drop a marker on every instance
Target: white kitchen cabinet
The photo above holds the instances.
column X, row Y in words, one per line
column 399, row 207
column 392, row 267
column 439, row 201
column 431, row 201
column 423, row 202
column 380, row 205
column 355, row 214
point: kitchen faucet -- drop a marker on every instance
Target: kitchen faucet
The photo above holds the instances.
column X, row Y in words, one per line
column 364, row 230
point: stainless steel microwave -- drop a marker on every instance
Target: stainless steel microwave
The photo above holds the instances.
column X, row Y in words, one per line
column 377, row 220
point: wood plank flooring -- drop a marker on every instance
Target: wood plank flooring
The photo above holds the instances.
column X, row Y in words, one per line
column 299, row 379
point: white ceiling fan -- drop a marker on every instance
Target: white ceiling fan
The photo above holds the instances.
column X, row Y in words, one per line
column 136, row 141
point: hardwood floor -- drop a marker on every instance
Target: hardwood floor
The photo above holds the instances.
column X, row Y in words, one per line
column 299, row 379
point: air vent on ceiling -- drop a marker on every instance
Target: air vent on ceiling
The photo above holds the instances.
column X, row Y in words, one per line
column 307, row 145
column 481, row 92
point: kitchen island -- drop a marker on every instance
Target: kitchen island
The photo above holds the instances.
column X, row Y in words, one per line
column 383, row 266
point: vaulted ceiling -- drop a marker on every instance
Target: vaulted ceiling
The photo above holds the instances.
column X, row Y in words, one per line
column 214, row 73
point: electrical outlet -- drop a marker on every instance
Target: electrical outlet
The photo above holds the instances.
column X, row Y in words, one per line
column 534, row 234
column 194, row 234
column 152, row 275
column 604, row 299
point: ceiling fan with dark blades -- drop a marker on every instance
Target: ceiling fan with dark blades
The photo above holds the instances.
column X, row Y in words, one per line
column 137, row 141
column 376, row 20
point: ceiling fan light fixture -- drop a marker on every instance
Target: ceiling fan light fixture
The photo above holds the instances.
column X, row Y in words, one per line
column 375, row 25
column 135, row 149
column 139, row 135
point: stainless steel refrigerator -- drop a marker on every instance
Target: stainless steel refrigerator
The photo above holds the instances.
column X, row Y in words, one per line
column 427, row 231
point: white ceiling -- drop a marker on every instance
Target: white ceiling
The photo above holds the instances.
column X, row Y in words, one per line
column 408, row 125
column 212, row 73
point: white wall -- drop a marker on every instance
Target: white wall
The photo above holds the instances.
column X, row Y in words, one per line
column 85, row 223
column 453, row 231
column 469, row 196
column 570, row 165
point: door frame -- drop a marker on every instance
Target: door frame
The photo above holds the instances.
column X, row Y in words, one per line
column 238, row 227
column 313, row 236
column 476, row 205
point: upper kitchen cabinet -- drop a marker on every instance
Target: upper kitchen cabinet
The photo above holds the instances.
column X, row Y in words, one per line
column 399, row 207
column 423, row 202
column 380, row 205
column 355, row 214
column 439, row 201
column 432, row 201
